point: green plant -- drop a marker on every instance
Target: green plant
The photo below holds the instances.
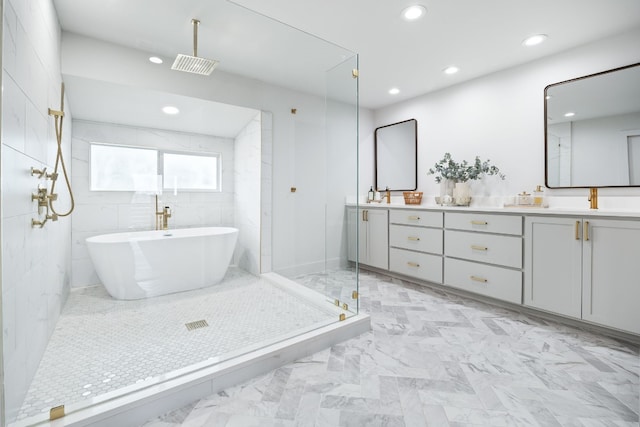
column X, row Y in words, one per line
column 447, row 168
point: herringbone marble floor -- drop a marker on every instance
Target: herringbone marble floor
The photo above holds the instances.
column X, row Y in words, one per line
column 435, row 359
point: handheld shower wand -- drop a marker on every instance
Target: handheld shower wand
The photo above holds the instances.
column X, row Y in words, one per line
column 59, row 115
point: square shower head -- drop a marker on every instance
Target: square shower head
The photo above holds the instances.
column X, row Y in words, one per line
column 194, row 64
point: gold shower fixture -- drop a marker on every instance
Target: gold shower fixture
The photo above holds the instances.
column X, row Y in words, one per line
column 43, row 196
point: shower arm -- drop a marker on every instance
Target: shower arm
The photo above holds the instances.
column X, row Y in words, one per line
column 195, row 23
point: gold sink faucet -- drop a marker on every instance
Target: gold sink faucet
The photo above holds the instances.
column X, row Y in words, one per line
column 593, row 198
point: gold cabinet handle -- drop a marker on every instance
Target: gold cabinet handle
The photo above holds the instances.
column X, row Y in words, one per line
column 414, row 218
column 586, row 230
column 478, row 279
column 413, row 264
column 413, row 238
column 577, row 230
column 479, row 248
column 364, row 215
column 479, row 222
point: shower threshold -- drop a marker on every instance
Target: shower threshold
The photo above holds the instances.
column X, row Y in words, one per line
column 152, row 395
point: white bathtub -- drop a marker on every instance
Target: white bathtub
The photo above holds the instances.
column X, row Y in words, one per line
column 144, row 264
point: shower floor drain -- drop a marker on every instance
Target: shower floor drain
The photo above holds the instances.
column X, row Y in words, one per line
column 196, row 325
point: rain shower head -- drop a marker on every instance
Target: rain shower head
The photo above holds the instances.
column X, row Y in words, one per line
column 194, row 64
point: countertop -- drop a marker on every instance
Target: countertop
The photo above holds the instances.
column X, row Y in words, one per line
column 524, row 210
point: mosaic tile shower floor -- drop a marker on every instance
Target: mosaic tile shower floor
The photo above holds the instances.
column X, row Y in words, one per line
column 437, row 359
column 101, row 344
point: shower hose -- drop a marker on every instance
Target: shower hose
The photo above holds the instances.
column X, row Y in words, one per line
column 60, row 160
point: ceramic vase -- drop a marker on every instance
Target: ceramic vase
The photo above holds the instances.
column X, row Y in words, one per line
column 462, row 194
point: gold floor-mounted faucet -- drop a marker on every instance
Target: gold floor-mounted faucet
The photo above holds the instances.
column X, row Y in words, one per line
column 593, row 198
column 162, row 217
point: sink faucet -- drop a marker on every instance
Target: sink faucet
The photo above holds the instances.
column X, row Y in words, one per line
column 593, row 198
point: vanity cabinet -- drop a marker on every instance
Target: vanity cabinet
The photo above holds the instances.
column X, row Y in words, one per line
column 586, row 268
column 415, row 244
column 370, row 229
column 483, row 254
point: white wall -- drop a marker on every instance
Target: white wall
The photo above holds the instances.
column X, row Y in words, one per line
column 500, row 117
column 36, row 263
column 100, row 212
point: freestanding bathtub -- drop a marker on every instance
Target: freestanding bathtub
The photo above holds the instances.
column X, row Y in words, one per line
column 144, row 264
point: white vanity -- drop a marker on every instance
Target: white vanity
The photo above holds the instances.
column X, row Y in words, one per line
column 579, row 264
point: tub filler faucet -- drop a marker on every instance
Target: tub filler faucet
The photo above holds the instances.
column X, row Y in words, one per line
column 162, row 217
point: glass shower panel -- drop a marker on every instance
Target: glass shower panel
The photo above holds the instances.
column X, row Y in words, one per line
column 341, row 179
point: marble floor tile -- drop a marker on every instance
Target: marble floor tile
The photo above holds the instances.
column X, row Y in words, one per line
column 437, row 359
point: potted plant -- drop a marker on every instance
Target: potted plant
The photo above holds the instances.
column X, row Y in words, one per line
column 454, row 177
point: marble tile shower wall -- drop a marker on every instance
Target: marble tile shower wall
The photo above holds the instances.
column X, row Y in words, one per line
column 100, row 212
column 247, row 201
column 36, row 263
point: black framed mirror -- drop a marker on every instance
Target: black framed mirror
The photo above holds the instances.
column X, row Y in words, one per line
column 396, row 156
column 592, row 130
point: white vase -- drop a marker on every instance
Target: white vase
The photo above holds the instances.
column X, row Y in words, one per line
column 446, row 191
column 462, row 194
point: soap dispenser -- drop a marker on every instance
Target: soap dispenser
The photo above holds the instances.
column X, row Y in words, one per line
column 538, row 196
column 370, row 195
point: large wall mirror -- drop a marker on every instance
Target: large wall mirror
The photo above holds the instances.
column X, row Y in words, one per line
column 592, row 130
column 396, row 156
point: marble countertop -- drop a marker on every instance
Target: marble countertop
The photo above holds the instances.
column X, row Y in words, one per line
column 525, row 210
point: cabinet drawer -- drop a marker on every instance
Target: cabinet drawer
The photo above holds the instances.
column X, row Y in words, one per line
column 413, row 217
column 416, row 238
column 482, row 247
column 416, row 264
column 492, row 281
column 502, row 224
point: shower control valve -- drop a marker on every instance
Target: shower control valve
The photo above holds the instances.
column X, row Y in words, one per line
column 40, row 196
column 40, row 172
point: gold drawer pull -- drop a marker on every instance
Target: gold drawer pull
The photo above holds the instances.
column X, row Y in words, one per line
column 577, row 230
column 413, row 238
column 413, row 264
column 479, row 248
column 479, row 222
column 478, row 279
column 586, row 230
column 414, row 218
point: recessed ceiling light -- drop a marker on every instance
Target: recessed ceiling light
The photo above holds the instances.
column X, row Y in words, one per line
column 394, row 91
column 451, row 70
column 169, row 109
column 414, row 12
column 155, row 60
column 569, row 114
column 534, row 40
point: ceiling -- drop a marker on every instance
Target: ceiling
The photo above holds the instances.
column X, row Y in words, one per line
column 480, row 37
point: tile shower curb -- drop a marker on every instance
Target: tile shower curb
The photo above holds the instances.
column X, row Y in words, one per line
column 136, row 408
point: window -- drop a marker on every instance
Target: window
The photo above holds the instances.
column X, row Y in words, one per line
column 120, row 168
column 117, row 168
column 190, row 171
